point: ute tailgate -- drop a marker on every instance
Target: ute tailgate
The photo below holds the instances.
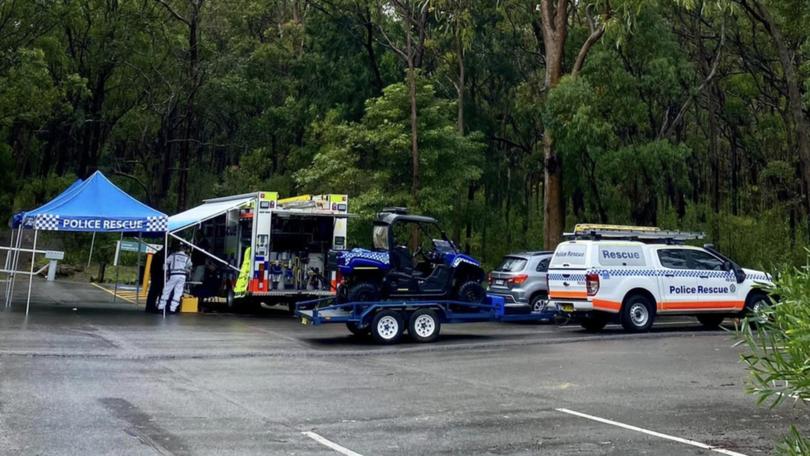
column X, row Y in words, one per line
column 566, row 276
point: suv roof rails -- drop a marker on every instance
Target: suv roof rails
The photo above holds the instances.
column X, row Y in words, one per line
column 650, row 234
column 535, row 252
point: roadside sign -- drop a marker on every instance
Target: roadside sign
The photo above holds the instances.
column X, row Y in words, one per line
column 54, row 255
column 134, row 246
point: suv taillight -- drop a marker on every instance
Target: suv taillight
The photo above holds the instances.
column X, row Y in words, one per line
column 489, row 278
column 592, row 283
column 518, row 279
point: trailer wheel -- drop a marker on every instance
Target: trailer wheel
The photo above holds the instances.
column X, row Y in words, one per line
column 358, row 330
column 424, row 325
column 387, row 327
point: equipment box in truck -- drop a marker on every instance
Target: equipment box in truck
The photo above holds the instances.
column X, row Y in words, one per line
column 265, row 249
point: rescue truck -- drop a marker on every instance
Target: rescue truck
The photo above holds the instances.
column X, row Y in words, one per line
column 266, row 249
column 605, row 272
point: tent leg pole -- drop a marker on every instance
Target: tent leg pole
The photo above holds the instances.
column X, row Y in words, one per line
column 31, row 276
column 165, row 266
column 10, row 251
column 8, row 267
column 92, row 244
column 117, row 262
column 137, row 272
column 15, row 265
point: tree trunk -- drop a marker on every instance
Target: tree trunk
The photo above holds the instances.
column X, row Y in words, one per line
column 372, row 56
column 800, row 122
column 190, row 134
column 460, row 86
column 554, row 34
column 414, row 137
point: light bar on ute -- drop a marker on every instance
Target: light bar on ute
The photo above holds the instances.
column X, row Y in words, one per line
column 640, row 233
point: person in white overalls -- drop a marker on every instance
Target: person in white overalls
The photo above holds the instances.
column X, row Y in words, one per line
column 178, row 266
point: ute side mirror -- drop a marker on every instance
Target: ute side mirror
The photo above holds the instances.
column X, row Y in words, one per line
column 740, row 274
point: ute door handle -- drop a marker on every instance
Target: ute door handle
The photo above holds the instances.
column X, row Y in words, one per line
column 704, row 277
column 669, row 275
column 566, row 284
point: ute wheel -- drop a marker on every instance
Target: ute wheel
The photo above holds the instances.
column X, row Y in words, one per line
column 594, row 323
column 754, row 304
column 637, row 313
column 711, row 321
column 424, row 325
column 358, row 330
column 363, row 292
column 471, row 291
column 387, row 327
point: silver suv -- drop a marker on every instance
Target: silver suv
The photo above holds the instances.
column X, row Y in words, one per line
column 521, row 280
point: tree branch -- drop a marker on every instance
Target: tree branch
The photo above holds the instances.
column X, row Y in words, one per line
column 173, row 12
column 596, row 34
column 666, row 130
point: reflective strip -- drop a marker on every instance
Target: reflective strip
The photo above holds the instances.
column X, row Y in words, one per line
column 606, row 304
column 614, row 306
column 567, row 277
column 695, row 305
column 568, row 294
column 607, row 273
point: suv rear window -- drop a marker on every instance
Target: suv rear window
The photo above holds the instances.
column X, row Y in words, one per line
column 512, row 264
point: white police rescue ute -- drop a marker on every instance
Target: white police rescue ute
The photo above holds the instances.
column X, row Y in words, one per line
column 641, row 272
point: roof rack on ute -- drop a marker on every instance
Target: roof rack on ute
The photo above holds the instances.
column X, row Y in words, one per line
column 636, row 233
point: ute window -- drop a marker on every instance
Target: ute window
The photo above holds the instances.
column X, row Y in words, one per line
column 703, row 261
column 512, row 264
column 569, row 255
column 380, row 237
column 674, row 258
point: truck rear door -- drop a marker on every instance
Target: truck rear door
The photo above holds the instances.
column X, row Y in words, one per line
column 566, row 275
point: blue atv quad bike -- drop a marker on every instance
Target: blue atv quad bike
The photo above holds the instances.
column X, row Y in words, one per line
column 434, row 270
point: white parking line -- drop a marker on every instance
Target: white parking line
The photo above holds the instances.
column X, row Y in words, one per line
column 653, row 433
column 327, row 443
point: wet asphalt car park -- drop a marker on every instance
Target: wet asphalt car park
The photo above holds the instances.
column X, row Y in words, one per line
column 82, row 375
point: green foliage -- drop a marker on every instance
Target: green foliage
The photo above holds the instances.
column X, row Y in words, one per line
column 371, row 159
column 778, row 350
column 296, row 97
column 794, row 444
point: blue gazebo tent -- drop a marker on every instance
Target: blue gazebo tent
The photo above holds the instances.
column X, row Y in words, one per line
column 96, row 205
column 93, row 205
column 17, row 219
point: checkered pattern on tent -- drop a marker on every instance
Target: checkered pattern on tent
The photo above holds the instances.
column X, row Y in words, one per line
column 157, row 224
column 47, row 222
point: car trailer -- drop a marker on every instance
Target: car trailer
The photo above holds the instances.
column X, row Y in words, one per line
column 386, row 321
